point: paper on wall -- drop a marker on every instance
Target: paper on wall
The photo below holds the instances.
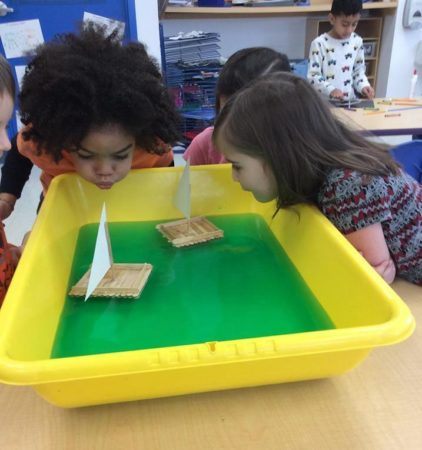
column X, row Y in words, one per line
column 20, row 72
column 19, row 123
column 109, row 24
column 20, row 38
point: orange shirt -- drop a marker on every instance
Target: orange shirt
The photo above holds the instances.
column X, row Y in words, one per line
column 141, row 160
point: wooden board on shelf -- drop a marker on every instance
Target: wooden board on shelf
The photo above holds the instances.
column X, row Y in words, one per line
column 177, row 12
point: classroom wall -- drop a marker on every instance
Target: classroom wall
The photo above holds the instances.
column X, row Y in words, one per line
column 147, row 26
column 397, row 56
column 285, row 34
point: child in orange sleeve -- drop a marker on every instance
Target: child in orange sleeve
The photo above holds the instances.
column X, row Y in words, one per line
column 9, row 254
column 90, row 105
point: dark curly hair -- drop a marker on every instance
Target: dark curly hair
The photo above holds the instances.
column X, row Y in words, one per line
column 80, row 82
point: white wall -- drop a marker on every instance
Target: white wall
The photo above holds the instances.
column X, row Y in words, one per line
column 147, row 26
column 285, row 34
column 397, row 56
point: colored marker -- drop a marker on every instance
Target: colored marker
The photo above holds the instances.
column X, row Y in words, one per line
column 392, row 115
column 405, row 109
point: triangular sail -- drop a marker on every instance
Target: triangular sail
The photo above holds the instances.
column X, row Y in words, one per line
column 182, row 198
column 103, row 258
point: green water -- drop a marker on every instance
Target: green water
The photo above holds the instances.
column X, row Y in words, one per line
column 237, row 287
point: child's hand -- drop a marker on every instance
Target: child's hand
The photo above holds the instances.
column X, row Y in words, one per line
column 25, row 240
column 7, row 205
column 370, row 243
column 368, row 92
column 387, row 270
column 15, row 254
column 336, row 93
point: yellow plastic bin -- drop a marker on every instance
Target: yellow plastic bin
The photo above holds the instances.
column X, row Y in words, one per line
column 365, row 310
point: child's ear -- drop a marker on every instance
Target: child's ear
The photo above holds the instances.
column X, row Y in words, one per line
column 331, row 18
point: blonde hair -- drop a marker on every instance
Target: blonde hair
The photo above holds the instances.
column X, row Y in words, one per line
column 7, row 82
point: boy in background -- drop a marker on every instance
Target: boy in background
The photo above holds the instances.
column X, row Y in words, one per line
column 336, row 59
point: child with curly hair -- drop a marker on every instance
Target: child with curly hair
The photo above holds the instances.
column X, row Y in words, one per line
column 90, row 105
column 286, row 145
column 9, row 254
column 241, row 68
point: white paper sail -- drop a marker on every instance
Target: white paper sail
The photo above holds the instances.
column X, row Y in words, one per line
column 182, row 198
column 103, row 258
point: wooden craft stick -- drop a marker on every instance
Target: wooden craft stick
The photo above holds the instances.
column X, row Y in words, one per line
column 128, row 281
column 404, row 99
column 200, row 230
column 407, row 104
column 373, row 113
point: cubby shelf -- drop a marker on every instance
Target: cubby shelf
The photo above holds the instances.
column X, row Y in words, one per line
column 180, row 12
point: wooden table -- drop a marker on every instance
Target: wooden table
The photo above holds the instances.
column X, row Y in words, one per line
column 376, row 406
column 409, row 121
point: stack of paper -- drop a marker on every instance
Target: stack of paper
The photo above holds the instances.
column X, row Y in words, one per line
column 192, row 47
column 272, row 3
column 192, row 66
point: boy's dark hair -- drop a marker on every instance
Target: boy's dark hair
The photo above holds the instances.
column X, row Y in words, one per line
column 7, row 82
column 80, row 82
column 245, row 65
column 346, row 7
column 283, row 121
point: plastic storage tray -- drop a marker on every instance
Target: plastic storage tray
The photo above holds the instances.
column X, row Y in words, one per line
column 365, row 310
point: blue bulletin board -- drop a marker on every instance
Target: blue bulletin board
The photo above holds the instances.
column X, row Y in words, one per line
column 53, row 17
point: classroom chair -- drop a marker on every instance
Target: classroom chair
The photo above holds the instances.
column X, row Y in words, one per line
column 409, row 155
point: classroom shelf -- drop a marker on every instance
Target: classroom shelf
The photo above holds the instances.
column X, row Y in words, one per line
column 180, row 12
column 369, row 28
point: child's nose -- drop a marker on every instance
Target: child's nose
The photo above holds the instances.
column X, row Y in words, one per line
column 104, row 167
column 4, row 141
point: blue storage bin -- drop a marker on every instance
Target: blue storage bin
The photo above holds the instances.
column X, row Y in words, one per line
column 211, row 2
column 299, row 67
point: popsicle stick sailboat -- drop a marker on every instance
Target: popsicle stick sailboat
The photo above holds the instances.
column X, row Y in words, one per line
column 191, row 230
column 106, row 278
